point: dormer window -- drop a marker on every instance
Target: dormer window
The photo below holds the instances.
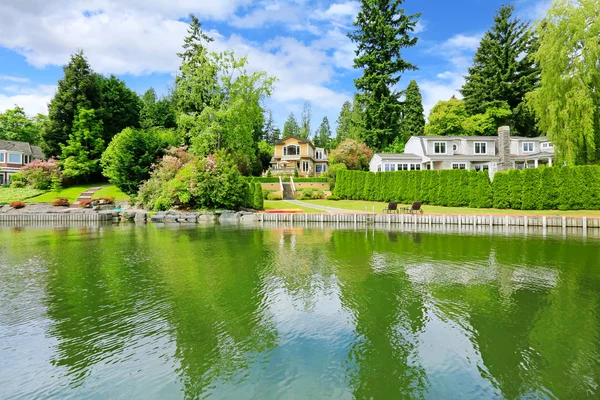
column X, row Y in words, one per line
column 291, row 150
column 547, row 145
column 454, row 147
column 528, row 147
column 480, row 148
column 439, row 147
column 319, row 155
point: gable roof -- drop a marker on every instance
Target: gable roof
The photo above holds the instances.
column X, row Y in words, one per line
column 299, row 139
column 22, row 147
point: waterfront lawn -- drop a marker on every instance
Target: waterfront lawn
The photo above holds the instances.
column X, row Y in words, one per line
column 70, row 193
column 111, row 191
column 8, row 195
column 357, row 205
column 284, row 205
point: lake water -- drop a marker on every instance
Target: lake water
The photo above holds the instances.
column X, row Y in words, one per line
column 153, row 312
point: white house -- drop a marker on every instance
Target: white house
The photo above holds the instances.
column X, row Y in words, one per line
column 487, row 153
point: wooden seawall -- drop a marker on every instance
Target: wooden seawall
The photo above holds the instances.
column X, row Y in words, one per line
column 16, row 219
column 584, row 223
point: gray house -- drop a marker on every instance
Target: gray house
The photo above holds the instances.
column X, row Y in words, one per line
column 481, row 153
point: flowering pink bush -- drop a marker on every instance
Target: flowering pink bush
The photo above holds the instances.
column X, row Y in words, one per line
column 39, row 173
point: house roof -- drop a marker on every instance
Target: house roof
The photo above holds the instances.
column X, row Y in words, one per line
column 22, row 147
column 399, row 156
column 533, row 139
column 299, row 139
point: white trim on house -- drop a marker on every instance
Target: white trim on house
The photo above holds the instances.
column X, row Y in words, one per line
column 2, row 157
column 440, row 147
column 480, row 146
column 530, row 147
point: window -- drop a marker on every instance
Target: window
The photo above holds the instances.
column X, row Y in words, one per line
column 1, row 179
column 402, row 167
column 481, row 148
column 2, row 157
column 14, row 158
column 319, row 155
column 304, row 166
column 528, row 147
column 291, row 150
column 416, row 167
column 324, row 167
column 547, row 145
column 459, row 166
column 379, row 168
column 387, row 168
column 439, row 147
column 392, row 167
column 318, row 168
column 483, row 167
column 454, row 147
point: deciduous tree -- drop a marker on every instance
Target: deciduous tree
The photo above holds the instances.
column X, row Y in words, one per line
column 157, row 112
column 353, row 154
column 119, row 106
column 566, row 101
column 16, row 125
column 382, row 31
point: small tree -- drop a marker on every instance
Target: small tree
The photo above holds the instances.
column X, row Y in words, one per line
column 355, row 155
column 81, row 155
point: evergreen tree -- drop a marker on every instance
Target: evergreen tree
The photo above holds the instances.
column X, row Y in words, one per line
column 382, row 32
column 323, row 135
column 196, row 82
column 156, row 112
column 305, row 121
column 504, row 70
column 413, row 118
column 119, row 106
column 80, row 157
column 291, row 127
column 344, row 123
column 271, row 132
column 78, row 88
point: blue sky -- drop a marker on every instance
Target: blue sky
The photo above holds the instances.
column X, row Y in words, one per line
column 301, row 42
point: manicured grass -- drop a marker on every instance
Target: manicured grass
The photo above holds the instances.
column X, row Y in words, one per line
column 112, row 191
column 8, row 195
column 356, row 205
column 282, row 205
column 70, row 193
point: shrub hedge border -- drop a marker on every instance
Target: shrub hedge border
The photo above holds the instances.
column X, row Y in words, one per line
column 545, row 188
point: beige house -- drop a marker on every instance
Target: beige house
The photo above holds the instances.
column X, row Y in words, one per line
column 481, row 153
column 294, row 153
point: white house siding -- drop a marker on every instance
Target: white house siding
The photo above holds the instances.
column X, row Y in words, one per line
column 414, row 146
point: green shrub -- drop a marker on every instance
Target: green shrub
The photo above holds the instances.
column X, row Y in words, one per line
column 273, row 196
column 501, row 190
column 259, row 201
column 17, row 181
column 265, row 179
column 515, row 189
column 333, row 198
column 39, row 174
column 332, row 173
column 531, row 184
column 547, row 196
column 269, row 173
column 265, row 194
column 313, row 179
column 591, row 195
column 570, row 188
column 311, row 194
column 480, row 190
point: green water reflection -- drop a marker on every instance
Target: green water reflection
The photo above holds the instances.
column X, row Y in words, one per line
column 230, row 312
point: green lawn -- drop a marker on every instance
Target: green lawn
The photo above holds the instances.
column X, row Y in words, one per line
column 282, row 205
column 8, row 195
column 356, row 205
column 112, row 191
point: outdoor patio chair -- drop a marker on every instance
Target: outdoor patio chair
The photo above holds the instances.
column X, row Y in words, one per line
column 415, row 208
column 391, row 208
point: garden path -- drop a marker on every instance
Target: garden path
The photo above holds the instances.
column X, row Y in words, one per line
column 88, row 194
column 322, row 208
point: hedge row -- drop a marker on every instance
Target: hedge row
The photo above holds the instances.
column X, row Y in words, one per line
column 546, row 188
column 318, row 180
column 254, row 197
column 286, row 179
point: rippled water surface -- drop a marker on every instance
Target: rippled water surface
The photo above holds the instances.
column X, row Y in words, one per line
column 250, row 313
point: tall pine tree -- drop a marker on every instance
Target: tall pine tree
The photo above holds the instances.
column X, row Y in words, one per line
column 291, row 127
column 413, row 118
column 79, row 88
column 382, row 32
column 504, row 71
column 119, row 106
column 305, row 121
column 323, row 134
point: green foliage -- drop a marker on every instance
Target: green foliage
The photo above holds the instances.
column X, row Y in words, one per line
column 265, row 179
column 413, row 118
column 446, row 118
column 129, row 158
column 18, row 181
column 271, row 133
column 40, row 174
column 503, row 72
column 156, row 112
column 81, row 155
column 258, row 203
column 291, row 127
column 481, row 190
column 16, row 125
column 265, row 194
column 265, row 154
column 119, row 106
column 296, row 174
column 77, row 89
column 501, row 190
column 382, row 31
column 354, row 155
column 311, row 179
column 531, row 182
column 547, row 198
column 515, row 188
column 8, row 195
column 566, row 101
column 305, row 120
column 332, row 174
column 323, row 136
column 311, row 194
column 275, row 197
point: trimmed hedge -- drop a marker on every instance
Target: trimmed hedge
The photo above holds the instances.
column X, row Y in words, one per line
column 546, row 188
column 317, row 180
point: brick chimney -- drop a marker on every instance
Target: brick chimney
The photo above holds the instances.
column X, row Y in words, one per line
column 505, row 162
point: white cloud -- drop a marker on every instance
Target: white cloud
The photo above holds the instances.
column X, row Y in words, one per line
column 13, row 79
column 34, row 100
column 420, row 27
column 444, row 87
column 535, row 9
